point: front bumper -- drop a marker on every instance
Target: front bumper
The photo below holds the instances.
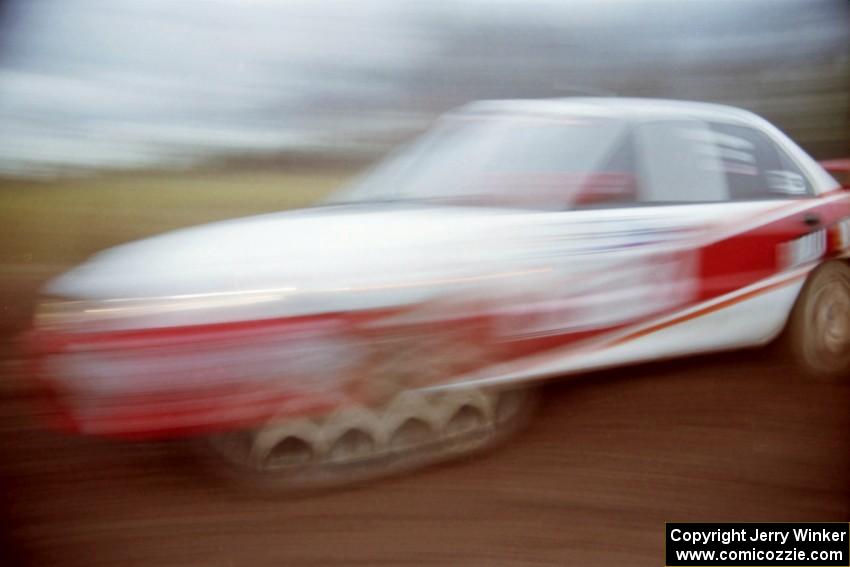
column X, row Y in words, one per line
column 173, row 381
column 180, row 380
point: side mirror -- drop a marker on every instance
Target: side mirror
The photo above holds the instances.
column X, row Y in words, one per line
column 840, row 170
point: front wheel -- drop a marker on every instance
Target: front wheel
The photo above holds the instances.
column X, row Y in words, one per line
column 818, row 331
column 356, row 444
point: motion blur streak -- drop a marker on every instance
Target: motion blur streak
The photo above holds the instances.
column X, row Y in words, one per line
column 87, row 84
column 198, row 283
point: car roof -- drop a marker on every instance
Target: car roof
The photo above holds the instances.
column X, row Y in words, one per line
column 631, row 109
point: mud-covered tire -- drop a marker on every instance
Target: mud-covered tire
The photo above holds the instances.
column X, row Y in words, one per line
column 359, row 444
column 817, row 335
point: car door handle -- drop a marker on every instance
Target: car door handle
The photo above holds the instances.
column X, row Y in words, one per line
column 811, row 219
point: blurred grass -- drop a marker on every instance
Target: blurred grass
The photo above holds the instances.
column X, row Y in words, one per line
column 62, row 222
column 48, row 226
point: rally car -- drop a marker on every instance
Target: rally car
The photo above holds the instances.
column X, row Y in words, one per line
column 405, row 319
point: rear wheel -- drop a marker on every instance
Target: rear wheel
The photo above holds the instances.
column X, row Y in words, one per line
column 818, row 331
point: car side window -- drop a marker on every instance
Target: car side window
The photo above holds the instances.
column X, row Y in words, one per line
column 754, row 166
column 678, row 163
column 614, row 183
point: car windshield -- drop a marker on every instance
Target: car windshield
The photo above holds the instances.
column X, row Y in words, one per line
column 532, row 161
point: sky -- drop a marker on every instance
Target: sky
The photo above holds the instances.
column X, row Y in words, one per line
column 121, row 82
column 151, row 83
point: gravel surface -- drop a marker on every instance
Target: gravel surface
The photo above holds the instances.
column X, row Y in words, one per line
column 608, row 459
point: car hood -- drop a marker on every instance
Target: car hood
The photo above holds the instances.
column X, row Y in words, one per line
column 334, row 247
column 347, row 258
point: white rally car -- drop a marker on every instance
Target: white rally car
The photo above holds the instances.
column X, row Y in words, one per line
column 401, row 321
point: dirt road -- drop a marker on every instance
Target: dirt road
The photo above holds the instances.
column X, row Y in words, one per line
column 592, row 480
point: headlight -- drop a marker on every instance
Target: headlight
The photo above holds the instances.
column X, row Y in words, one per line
column 156, row 311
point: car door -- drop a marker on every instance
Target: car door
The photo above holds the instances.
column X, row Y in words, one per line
column 776, row 223
column 752, row 201
column 705, row 247
column 753, row 216
column 632, row 258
